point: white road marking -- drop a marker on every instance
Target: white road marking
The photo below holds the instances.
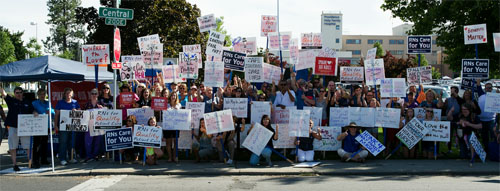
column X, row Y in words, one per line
column 98, row 183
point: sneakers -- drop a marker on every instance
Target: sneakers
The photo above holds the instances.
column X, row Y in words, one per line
column 64, row 163
column 73, row 161
column 16, row 168
column 229, row 161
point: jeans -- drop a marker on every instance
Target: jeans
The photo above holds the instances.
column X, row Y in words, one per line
column 65, row 143
column 266, row 153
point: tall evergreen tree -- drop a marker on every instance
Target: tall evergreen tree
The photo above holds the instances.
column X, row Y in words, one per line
column 7, row 54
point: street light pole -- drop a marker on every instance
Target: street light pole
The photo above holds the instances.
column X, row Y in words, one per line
column 36, row 30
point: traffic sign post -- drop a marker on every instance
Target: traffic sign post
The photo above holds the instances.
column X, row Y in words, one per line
column 419, row 44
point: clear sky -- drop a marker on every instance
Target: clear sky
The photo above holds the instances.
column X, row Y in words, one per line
column 242, row 17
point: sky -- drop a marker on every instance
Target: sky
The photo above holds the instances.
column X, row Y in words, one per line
column 241, row 17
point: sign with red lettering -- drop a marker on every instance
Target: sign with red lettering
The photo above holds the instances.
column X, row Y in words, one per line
column 325, row 66
column 126, row 98
column 93, row 54
column 159, row 103
column 116, row 65
column 268, row 24
column 475, row 34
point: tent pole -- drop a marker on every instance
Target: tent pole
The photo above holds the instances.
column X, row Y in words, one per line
column 50, row 129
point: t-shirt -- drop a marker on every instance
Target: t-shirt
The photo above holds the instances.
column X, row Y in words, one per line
column 306, row 143
column 208, row 104
column 468, row 130
column 41, row 108
column 16, row 107
column 270, row 143
column 106, row 102
column 63, row 105
column 284, row 99
column 427, row 104
column 350, row 144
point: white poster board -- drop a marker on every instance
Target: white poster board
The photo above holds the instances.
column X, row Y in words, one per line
column 197, row 111
column 437, row 131
column 475, row 34
column 94, row 54
column 412, row 132
column 215, row 44
column 370, row 143
column 268, row 24
column 239, row 106
column 253, row 69
column 352, row 74
column 77, row 120
column 419, row 75
column 492, row 103
column 328, row 140
column 128, row 67
column 29, row 125
column 258, row 109
column 107, row 119
column 374, row 68
column 188, row 64
column 206, row 22
column 185, row 140
column 176, row 119
column 387, row 117
column 299, row 123
column 142, row 115
column 258, row 138
column 214, row 74
column 393, row 87
column 477, row 147
column 307, row 59
column 362, row 116
column 147, row 136
column 281, row 116
column 284, row 141
column 172, row 73
column 218, row 122
column 339, row 116
column 316, row 114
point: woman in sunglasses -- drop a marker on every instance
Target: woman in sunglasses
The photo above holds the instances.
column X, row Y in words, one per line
column 92, row 143
column 105, row 97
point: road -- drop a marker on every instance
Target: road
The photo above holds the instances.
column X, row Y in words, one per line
column 221, row 183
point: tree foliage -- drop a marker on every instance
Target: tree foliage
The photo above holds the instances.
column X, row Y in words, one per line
column 7, row 54
column 423, row 60
column 446, row 19
column 16, row 40
column 380, row 49
column 34, row 49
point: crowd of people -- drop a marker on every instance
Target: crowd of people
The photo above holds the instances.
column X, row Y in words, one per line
column 466, row 115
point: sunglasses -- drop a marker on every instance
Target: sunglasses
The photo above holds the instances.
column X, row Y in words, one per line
column 129, row 121
column 106, row 88
column 94, row 93
column 18, row 92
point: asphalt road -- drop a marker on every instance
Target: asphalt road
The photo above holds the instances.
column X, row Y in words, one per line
column 220, row 183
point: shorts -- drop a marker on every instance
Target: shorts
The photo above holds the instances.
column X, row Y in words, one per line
column 14, row 139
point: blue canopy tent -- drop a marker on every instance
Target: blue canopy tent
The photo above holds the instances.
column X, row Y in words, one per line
column 49, row 68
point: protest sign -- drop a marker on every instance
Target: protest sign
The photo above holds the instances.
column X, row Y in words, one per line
column 306, row 40
column 317, row 40
column 107, row 119
column 128, row 66
column 188, row 65
column 327, row 52
column 467, row 84
column 197, row 111
column 374, row 68
column 419, row 44
column 419, row 75
column 29, row 125
column 238, row 106
column 475, row 68
column 387, row 117
column 477, row 147
column 233, row 60
column 437, row 131
column 194, row 49
column 316, row 115
column 268, row 24
column 142, row 115
column 74, row 120
column 147, row 136
column 117, row 139
column 298, row 123
column 496, row 41
column 339, row 116
column 147, row 42
column 307, row 59
column 420, row 114
column 159, row 103
column 218, row 122
column 274, row 40
column 294, row 51
column 257, row 140
column 370, row 143
column 153, row 56
column 206, row 23
column 214, row 74
column 258, row 109
column 281, row 116
column 352, row 74
column 393, row 87
column 185, row 140
column 328, row 140
column 362, row 116
column 176, row 119
column 247, row 46
column 492, row 103
column 94, row 54
column 325, row 66
column 215, row 44
column 475, row 34
column 92, row 131
column 253, row 69
column 126, row 98
column 139, row 71
column 371, row 54
column 412, row 132
column 172, row 73
column 271, row 73
column 284, row 141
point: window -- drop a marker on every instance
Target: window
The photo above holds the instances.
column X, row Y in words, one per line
column 337, row 40
column 356, row 52
column 337, row 27
column 396, row 52
column 353, row 41
column 396, row 41
column 373, row 41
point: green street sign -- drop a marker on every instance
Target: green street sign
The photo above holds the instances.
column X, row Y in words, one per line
column 108, row 12
column 117, row 22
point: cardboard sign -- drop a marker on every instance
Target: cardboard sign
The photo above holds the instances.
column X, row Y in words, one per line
column 197, row 111
column 374, row 69
column 284, row 141
column 352, row 74
column 172, row 73
column 195, row 49
column 207, row 22
column 339, row 116
column 477, row 147
column 257, row 140
column 370, row 143
column 29, row 125
column 412, row 132
column 128, row 67
column 327, row 52
column 328, row 140
column 316, row 114
column 475, row 68
column 317, row 40
column 159, row 103
column 306, row 40
column 387, row 117
column 185, row 140
column 176, row 119
column 496, row 41
column 420, row 114
column 274, row 40
column 475, row 34
column 118, row 139
column 215, row 44
column 248, row 46
column 147, row 42
column 299, row 123
column 362, row 116
column 126, row 98
column 188, row 65
column 371, row 54
column 419, row 75
column 253, row 69
column 147, row 136
column 238, row 106
column 214, row 74
column 307, row 59
column 142, row 115
column 419, row 44
column 233, row 60
column 153, row 55
column 268, row 24
column 393, row 87
column 281, row 116
column 107, row 119
column 74, row 120
column 94, row 54
column 271, row 73
column 139, row 70
column 492, row 103
column 467, row 84
column 294, row 51
column 325, row 66
column 218, row 122
column 437, row 131
column 258, row 109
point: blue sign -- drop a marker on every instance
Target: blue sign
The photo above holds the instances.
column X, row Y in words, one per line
column 475, row 68
column 118, row 139
column 419, row 44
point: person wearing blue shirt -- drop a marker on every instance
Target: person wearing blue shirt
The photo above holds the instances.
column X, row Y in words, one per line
column 65, row 137
column 350, row 145
column 41, row 106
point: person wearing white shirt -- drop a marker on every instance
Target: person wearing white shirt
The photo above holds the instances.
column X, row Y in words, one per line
column 285, row 97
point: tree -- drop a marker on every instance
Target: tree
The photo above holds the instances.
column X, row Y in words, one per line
column 380, row 49
column 435, row 73
column 423, row 60
column 446, row 19
column 7, row 53
column 220, row 28
column 66, row 33
column 34, row 49
column 16, row 40
column 396, row 67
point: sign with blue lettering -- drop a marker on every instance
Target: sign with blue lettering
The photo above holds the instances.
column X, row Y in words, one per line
column 475, row 68
column 419, row 44
column 118, row 139
column 370, row 143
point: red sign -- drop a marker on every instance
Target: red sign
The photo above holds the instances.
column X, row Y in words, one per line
column 325, row 66
column 116, row 65
column 81, row 91
column 159, row 103
column 117, row 46
column 126, row 98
